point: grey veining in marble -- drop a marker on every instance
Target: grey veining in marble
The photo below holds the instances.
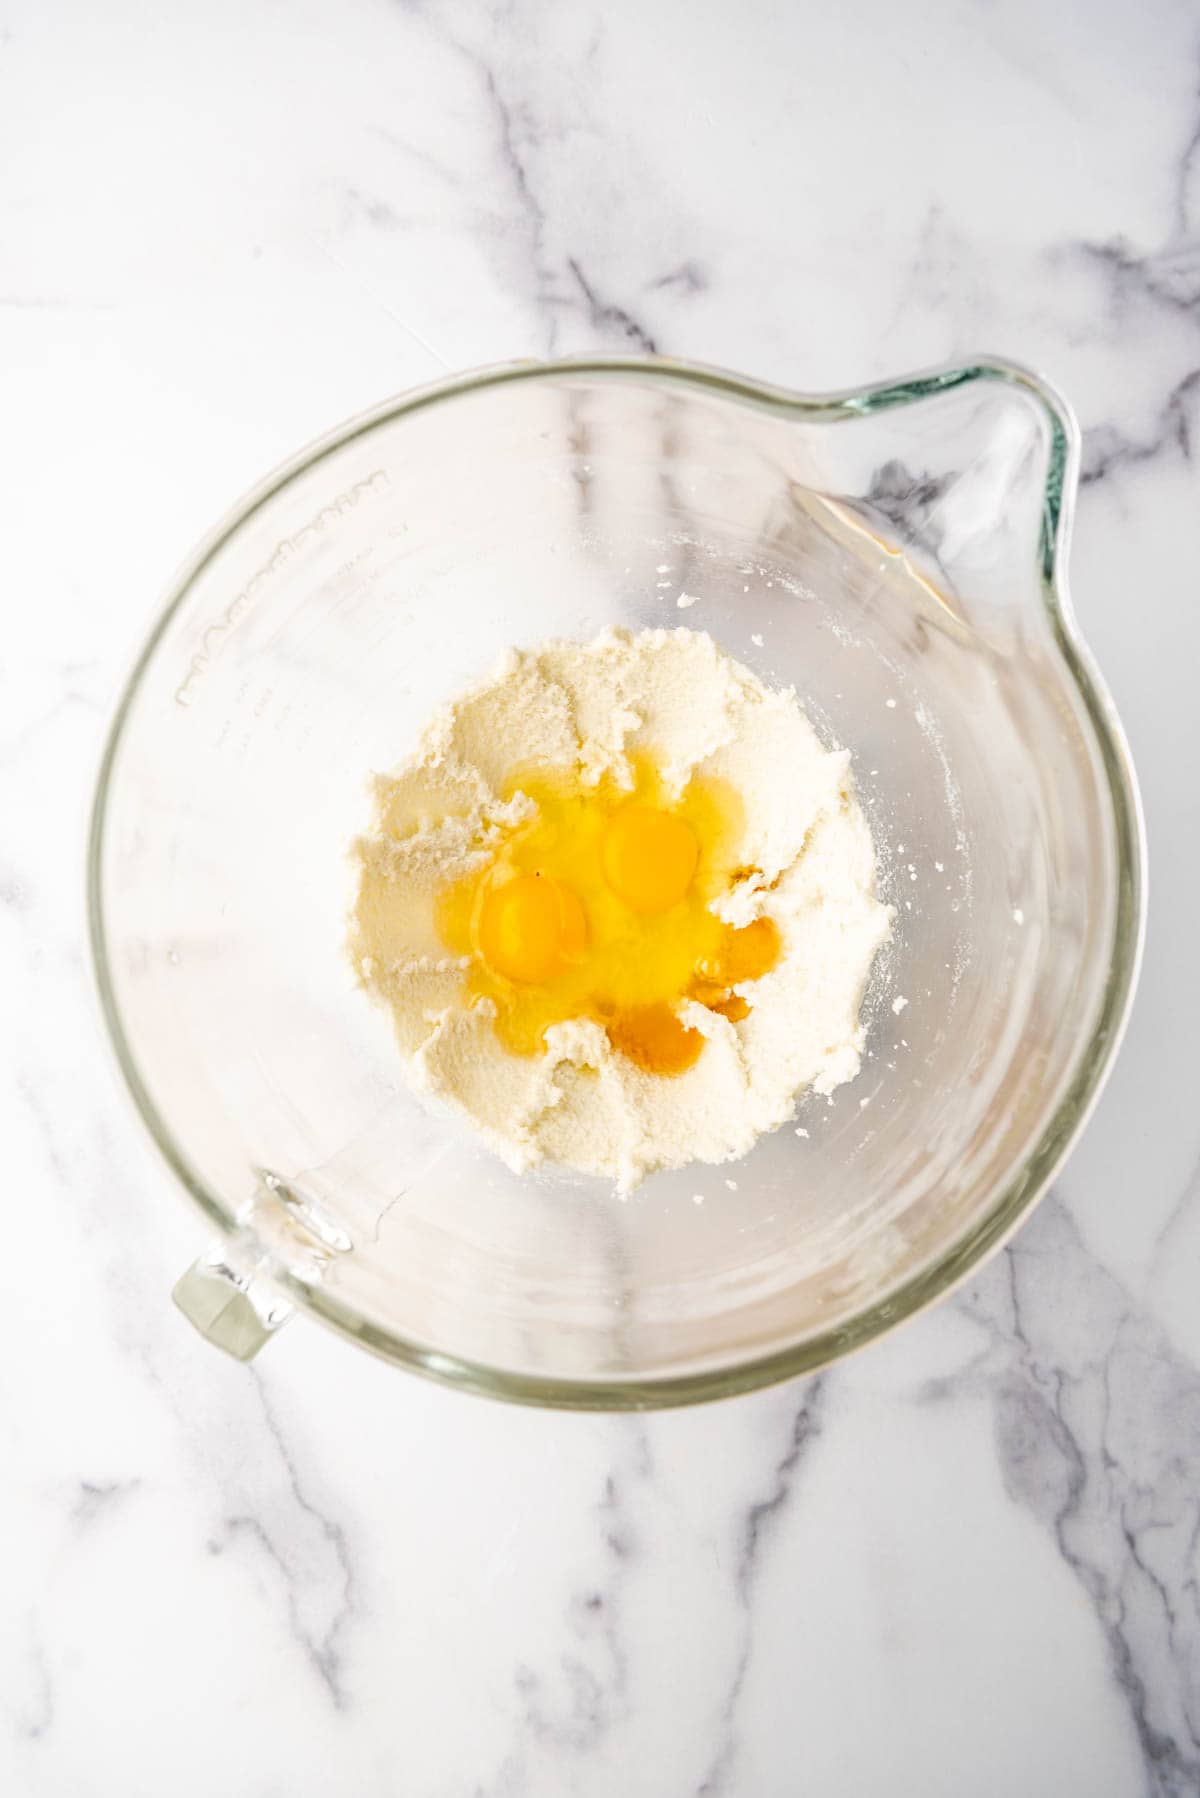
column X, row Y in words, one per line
column 967, row 1561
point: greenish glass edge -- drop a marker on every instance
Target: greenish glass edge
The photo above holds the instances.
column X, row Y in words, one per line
column 942, row 1275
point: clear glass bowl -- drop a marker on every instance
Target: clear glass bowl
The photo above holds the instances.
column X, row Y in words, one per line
column 896, row 554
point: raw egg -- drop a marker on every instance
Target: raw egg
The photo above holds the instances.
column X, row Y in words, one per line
column 531, row 928
column 649, row 857
column 597, row 906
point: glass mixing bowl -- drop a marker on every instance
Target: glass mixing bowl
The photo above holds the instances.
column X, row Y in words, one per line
column 896, row 554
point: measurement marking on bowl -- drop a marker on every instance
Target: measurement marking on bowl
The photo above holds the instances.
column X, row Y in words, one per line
column 215, row 635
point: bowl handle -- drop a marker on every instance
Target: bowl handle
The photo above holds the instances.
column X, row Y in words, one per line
column 233, row 1306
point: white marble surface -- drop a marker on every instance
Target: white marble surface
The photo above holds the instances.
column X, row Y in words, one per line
column 966, row 1562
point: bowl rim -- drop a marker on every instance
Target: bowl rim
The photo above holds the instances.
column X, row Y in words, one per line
column 1029, row 1181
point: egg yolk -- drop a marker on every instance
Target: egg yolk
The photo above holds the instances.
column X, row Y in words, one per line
column 649, row 857
column 745, row 954
column 654, row 1039
column 598, row 905
column 531, row 928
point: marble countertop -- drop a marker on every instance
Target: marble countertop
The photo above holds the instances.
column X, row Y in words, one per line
column 966, row 1562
